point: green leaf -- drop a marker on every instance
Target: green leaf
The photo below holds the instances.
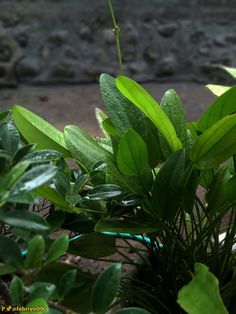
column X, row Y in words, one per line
column 93, row 245
column 168, row 187
column 44, row 290
column 222, row 191
column 231, row 71
column 10, row 252
column 132, row 310
column 101, row 117
column 132, row 155
column 218, row 90
column 9, row 138
column 45, row 155
column 55, row 219
column 104, row 191
column 22, row 152
column 172, row 106
column 67, row 282
column 14, row 174
column 24, row 219
column 84, row 148
column 36, row 130
column 123, row 114
column 33, row 179
column 16, row 291
column 215, row 196
column 221, row 107
column 40, row 303
column 105, row 288
column 125, row 226
column 35, row 254
column 138, row 96
column 201, row 295
column 52, row 195
column 6, row 269
column 58, row 248
column 216, row 144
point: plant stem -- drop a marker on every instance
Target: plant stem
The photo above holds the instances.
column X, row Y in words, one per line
column 116, row 31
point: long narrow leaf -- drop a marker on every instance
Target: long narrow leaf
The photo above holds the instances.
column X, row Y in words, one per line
column 140, row 97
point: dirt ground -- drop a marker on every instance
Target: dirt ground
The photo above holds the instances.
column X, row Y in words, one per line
column 63, row 105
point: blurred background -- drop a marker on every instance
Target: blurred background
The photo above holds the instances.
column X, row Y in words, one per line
column 52, row 52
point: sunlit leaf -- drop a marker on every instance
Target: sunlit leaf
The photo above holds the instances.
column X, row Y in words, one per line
column 201, row 295
column 216, row 144
column 36, row 130
column 140, row 97
column 221, row 107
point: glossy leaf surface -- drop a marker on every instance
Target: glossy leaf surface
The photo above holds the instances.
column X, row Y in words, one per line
column 132, row 155
column 168, row 187
column 216, row 144
column 105, row 288
column 36, row 130
column 140, row 97
column 221, row 107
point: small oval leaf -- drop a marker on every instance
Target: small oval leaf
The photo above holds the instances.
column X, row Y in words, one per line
column 105, row 288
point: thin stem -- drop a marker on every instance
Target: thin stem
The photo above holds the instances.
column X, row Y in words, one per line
column 116, row 31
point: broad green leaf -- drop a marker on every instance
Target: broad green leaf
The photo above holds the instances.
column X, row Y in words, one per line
column 16, row 291
column 221, row 107
column 14, row 174
column 42, row 290
column 125, row 226
column 215, row 195
column 104, row 191
column 44, row 155
column 225, row 193
column 110, row 129
column 9, row 138
column 132, row 310
column 52, row 195
column 140, row 97
column 201, row 295
column 151, row 138
column 67, row 282
column 93, row 245
column 55, row 219
column 84, row 148
column 6, row 269
column 231, row 71
column 36, row 130
column 62, row 184
column 35, row 254
column 132, row 155
column 105, row 288
column 33, row 179
column 168, row 187
column 123, row 114
column 58, row 248
column 10, row 252
column 172, row 106
column 22, row 152
column 216, row 144
column 40, row 303
column 24, row 219
column 218, row 90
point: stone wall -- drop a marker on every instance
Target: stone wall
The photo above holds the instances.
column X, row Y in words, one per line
column 71, row 41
